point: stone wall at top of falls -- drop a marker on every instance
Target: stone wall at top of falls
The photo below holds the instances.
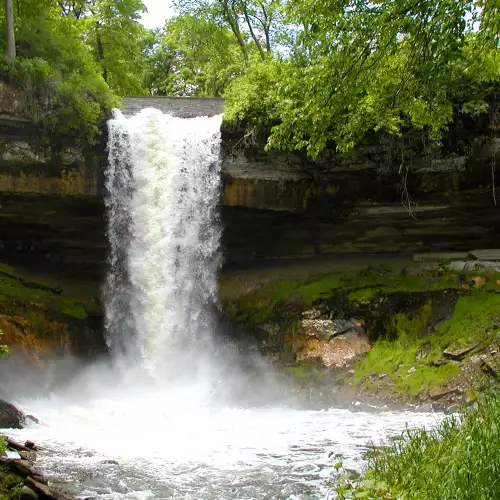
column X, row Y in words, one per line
column 274, row 204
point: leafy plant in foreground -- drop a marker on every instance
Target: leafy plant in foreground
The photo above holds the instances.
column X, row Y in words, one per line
column 458, row 460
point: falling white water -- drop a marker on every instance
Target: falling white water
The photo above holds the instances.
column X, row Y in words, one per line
column 162, row 187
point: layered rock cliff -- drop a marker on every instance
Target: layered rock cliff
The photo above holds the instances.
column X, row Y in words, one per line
column 390, row 196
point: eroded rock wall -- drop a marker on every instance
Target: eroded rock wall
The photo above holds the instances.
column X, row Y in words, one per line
column 384, row 198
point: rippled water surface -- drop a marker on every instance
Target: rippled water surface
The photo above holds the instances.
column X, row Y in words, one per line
column 167, row 449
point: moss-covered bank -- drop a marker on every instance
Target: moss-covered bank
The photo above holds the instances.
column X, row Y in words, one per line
column 432, row 332
column 39, row 320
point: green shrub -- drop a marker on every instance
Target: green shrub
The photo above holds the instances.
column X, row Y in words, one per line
column 459, row 460
column 71, row 104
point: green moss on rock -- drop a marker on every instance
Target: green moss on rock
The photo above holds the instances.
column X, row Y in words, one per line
column 414, row 360
column 13, row 291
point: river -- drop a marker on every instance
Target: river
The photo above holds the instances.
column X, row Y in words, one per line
column 168, row 445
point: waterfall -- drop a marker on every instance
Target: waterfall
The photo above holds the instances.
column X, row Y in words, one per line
column 162, row 187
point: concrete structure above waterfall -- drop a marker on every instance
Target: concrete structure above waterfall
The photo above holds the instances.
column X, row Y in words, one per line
column 183, row 107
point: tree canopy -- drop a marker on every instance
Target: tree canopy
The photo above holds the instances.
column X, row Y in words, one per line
column 309, row 74
column 359, row 66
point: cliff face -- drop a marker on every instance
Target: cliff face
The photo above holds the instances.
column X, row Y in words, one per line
column 273, row 204
column 286, row 205
column 382, row 198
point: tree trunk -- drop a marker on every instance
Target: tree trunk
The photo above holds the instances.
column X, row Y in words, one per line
column 10, row 46
column 232, row 19
column 100, row 54
column 252, row 33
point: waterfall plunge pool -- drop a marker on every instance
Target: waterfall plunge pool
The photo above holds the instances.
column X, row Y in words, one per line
column 168, row 444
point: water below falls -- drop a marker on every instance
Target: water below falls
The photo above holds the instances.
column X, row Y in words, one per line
column 182, row 413
column 168, row 449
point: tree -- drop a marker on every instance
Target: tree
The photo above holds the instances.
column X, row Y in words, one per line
column 10, row 45
column 193, row 56
column 112, row 30
column 64, row 91
column 255, row 21
column 358, row 66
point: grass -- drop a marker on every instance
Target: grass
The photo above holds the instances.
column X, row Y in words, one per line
column 258, row 305
column 459, row 460
column 12, row 289
column 10, row 484
column 475, row 319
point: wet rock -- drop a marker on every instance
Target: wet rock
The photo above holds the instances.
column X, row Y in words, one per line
column 440, row 256
column 436, row 396
column 30, row 456
column 15, row 445
column 30, row 444
column 488, row 368
column 21, row 467
column 439, row 407
column 449, row 410
column 459, row 354
column 312, row 314
column 328, row 328
column 10, row 416
column 439, row 362
column 425, row 407
column 32, row 419
column 44, row 491
column 366, row 407
column 27, row 493
column 110, row 462
column 490, row 254
column 423, row 351
column 474, row 265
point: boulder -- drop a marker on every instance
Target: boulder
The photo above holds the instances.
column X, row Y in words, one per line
column 110, row 462
column 445, row 394
column 44, row 491
column 459, row 354
column 340, row 351
column 10, row 416
column 488, row 254
column 27, row 493
column 328, row 328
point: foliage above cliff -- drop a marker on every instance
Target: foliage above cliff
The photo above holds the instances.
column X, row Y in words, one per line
column 73, row 59
column 310, row 74
column 359, row 66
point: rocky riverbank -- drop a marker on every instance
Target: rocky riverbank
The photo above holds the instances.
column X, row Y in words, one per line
column 19, row 477
column 421, row 331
